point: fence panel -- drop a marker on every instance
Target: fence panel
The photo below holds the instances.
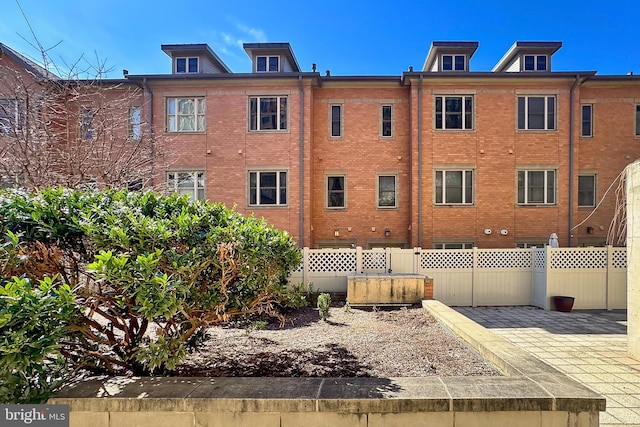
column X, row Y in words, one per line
column 539, row 278
column 617, row 279
column 596, row 277
column 503, row 277
column 452, row 273
column 580, row 273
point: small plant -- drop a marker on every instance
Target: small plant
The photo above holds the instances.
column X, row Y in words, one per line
column 324, row 302
column 258, row 325
column 347, row 307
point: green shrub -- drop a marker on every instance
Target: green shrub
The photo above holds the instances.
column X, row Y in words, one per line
column 324, row 302
column 151, row 271
column 34, row 321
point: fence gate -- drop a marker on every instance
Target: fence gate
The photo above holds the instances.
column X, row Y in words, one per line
column 401, row 260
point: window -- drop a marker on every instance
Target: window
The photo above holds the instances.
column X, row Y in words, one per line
column 11, row 115
column 536, row 187
column 267, row 64
column 539, row 243
column 336, row 193
column 535, row 63
column 536, row 112
column 189, row 183
column 135, row 123
column 454, row 187
column 637, row 120
column 86, row 123
column 586, row 129
column 454, row 112
column 387, row 191
column 335, row 113
column 453, row 62
column 587, row 190
column 268, row 113
column 386, row 121
column 187, row 65
column 135, row 185
column 268, row 188
column 464, row 245
column 186, row 114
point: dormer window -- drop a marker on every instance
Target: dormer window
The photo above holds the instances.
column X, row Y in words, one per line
column 453, row 62
column 187, row 65
column 535, row 63
column 267, row 64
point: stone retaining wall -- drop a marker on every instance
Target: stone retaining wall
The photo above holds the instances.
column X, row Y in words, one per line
column 530, row 394
column 374, row 288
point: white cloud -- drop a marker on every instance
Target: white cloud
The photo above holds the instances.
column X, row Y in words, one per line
column 229, row 43
column 255, row 34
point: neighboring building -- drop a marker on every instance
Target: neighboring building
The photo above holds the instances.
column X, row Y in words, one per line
column 445, row 157
column 69, row 132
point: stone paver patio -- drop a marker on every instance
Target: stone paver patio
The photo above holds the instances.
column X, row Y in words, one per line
column 589, row 346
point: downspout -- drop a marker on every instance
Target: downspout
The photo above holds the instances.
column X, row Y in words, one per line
column 301, row 161
column 571, row 115
column 420, row 162
column 150, row 121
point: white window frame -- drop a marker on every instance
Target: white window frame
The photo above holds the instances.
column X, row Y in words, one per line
column 10, row 119
column 199, row 114
column 279, row 186
column 135, row 123
column 186, row 64
column 328, row 176
column 443, row 113
column 464, row 173
column 535, row 62
column 532, row 244
column 197, row 192
column 549, row 123
column 267, row 63
column 379, row 176
column 592, row 189
column 590, row 120
column 278, row 113
column 547, row 199
column 331, row 121
column 453, row 61
column 453, row 245
column 391, row 120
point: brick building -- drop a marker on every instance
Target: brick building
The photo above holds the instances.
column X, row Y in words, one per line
column 445, row 157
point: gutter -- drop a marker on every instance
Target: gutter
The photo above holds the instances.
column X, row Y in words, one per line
column 571, row 160
column 150, row 122
column 420, row 162
column 301, row 162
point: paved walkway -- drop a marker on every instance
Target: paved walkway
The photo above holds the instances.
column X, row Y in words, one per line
column 590, row 346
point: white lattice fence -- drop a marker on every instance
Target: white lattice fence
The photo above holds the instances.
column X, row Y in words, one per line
column 619, row 258
column 512, row 258
column 443, row 259
column 539, row 259
column 334, row 261
column 374, row 260
column 563, row 258
column 595, row 276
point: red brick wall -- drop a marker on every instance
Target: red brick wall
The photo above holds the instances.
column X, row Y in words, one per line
column 227, row 150
column 361, row 153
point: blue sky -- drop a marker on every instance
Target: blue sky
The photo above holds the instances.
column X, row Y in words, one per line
column 348, row 37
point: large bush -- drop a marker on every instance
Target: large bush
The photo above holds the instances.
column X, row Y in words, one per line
column 149, row 272
column 35, row 319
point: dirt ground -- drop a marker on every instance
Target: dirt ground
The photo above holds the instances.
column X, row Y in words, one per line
column 353, row 342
